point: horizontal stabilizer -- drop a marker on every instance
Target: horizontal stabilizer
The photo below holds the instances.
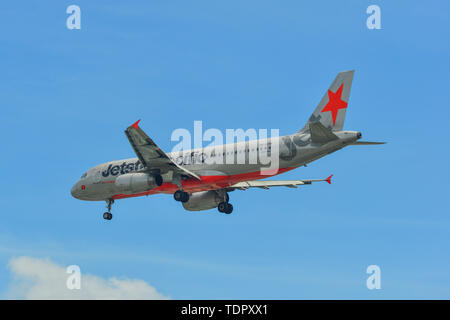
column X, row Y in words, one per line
column 366, row 143
column 320, row 134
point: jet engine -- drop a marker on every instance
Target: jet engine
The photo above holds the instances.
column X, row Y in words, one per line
column 203, row 201
column 137, row 182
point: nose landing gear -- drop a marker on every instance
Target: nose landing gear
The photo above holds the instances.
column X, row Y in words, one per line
column 108, row 215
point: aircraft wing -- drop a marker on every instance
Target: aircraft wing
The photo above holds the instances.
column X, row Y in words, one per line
column 150, row 155
column 266, row 184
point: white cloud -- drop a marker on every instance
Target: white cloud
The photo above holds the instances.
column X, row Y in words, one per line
column 35, row 278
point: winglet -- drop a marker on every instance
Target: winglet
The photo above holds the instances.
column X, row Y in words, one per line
column 328, row 179
column 135, row 125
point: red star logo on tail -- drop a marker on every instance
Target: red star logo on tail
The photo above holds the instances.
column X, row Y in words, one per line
column 335, row 103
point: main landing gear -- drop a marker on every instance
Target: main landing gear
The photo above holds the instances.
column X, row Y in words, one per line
column 225, row 206
column 181, row 196
column 108, row 215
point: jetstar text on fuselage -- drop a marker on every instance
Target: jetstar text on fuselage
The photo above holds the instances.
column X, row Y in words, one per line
column 125, row 167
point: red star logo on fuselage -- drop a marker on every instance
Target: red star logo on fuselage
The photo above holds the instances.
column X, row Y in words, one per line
column 335, row 103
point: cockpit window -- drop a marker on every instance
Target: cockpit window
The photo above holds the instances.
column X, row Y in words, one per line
column 84, row 175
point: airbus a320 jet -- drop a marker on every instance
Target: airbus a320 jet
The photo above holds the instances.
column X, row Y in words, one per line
column 200, row 184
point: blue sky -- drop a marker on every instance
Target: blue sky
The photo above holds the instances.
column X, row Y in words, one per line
column 67, row 95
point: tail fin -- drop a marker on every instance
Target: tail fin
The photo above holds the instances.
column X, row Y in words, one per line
column 331, row 110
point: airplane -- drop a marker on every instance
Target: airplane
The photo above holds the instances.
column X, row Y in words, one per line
column 202, row 185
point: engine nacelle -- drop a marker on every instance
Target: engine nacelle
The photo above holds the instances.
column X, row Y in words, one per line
column 203, row 201
column 137, row 182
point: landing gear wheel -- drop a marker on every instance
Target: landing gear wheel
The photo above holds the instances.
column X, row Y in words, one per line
column 178, row 195
column 107, row 216
column 181, row 196
column 229, row 208
column 225, row 207
column 222, row 206
column 185, row 197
